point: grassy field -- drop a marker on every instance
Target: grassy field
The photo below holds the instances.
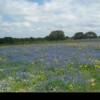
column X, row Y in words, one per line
column 50, row 67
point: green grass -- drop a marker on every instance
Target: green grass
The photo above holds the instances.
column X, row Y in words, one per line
column 51, row 42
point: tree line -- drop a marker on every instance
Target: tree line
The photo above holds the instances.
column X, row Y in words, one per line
column 53, row 36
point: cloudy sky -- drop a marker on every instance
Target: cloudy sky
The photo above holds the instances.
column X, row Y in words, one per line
column 37, row 18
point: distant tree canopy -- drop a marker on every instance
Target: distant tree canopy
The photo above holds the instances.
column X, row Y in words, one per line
column 7, row 40
column 90, row 35
column 56, row 35
column 78, row 35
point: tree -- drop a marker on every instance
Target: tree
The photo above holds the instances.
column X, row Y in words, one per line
column 90, row 35
column 46, row 38
column 8, row 40
column 56, row 35
column 67, row 37
column 98, row 36
column 78, row 35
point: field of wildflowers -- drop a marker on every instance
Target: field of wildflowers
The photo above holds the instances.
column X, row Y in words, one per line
column 65, row 67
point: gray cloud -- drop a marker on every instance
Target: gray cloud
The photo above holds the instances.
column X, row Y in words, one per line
column 20, row 18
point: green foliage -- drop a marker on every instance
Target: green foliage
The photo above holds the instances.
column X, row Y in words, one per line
column 39, row 80
column 90, row 35
column 56, row 35
column 8, row 40
column 53, row 36
column 79, row 35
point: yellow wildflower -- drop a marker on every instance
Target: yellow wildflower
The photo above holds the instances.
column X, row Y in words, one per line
column 92, row 80
column 92, row 84
column 97, row 66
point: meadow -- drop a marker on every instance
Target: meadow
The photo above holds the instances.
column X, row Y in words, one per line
column 50, row 67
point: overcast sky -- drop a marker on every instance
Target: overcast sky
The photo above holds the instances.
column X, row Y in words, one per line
column 37, row 18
